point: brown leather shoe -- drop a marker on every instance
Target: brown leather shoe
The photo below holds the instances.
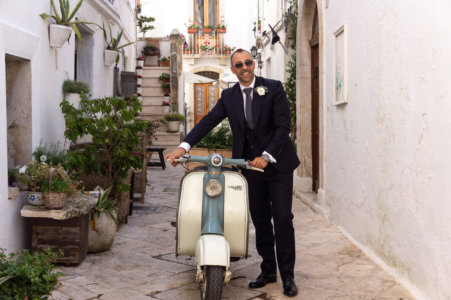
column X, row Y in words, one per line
column 262, row 280
column 289, row 287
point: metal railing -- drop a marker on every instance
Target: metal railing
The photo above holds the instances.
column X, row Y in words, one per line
column 206, row 45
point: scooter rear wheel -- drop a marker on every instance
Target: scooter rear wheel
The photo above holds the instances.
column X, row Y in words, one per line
column 211, row 287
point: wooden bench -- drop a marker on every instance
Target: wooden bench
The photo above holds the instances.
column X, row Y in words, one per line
column 160, row 150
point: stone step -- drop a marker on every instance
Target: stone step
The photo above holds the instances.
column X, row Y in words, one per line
column 152, row 100
column 166, row 138
column 150, row 116
column 150, row 82
column 152, row 91
column 155, row 109
column 155, row 71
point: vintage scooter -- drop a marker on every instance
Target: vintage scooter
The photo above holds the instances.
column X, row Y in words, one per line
column 212, row 220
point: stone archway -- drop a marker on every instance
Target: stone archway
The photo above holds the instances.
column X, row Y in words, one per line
column 306, row 92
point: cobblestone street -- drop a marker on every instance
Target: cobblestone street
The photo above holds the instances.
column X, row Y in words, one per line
column 142, row 265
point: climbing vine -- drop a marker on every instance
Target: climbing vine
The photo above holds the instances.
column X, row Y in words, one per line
column 290, row 84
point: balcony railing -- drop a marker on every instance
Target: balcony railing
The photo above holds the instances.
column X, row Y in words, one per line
column 207, row 45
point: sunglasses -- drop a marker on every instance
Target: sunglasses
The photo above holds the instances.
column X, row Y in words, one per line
column 247, row 62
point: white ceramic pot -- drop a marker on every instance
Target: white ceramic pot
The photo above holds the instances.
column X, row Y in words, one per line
column 139, row 81
column 139, row 90
column 140, row 63
column 58, row 35
column 35, row 198
column 173, row 126
column 110, row 57
column 74, row 99
column 139, row 71
column 102, row 238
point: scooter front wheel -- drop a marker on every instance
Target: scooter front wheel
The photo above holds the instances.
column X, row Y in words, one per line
column 213, row 280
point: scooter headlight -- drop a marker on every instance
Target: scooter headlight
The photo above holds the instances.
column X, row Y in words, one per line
column 213, row 188
column 216, row 160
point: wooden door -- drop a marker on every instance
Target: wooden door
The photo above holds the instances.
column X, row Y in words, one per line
column 205, row 97
column 314, row 44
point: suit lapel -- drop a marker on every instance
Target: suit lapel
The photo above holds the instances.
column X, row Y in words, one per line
column 238, row 104
column 257, row 100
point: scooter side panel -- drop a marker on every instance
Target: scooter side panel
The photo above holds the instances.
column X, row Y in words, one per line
column 189, row 213
column 236, row 220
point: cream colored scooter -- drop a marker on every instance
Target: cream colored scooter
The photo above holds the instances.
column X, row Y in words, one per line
column 212, row 220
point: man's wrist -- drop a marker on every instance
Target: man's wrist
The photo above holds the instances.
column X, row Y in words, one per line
column 266, row 157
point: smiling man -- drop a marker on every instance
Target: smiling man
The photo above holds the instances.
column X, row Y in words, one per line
column 259, row 116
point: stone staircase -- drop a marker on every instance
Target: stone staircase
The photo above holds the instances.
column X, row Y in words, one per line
column 152, row 99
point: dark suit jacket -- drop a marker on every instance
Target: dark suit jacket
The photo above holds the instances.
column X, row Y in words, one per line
column 271, row 114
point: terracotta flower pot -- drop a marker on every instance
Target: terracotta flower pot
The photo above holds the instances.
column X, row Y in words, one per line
column 192, row 30
column 207, row 30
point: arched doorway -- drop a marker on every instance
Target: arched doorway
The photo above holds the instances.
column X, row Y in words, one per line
column 205, row 95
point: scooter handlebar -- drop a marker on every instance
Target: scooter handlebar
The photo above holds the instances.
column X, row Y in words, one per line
column 227, row 161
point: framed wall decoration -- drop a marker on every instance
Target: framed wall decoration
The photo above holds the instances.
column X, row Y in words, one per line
column 341, row 65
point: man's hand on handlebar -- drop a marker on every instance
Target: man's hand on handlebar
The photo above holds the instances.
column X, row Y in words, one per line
column 259, row 162
column 174, row 155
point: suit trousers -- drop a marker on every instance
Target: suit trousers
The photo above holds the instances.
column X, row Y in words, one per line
column 270, row 197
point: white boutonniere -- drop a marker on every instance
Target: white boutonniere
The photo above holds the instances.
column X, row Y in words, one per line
column 261, row 90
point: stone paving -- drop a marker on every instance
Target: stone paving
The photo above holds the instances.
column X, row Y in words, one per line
column 141, row 264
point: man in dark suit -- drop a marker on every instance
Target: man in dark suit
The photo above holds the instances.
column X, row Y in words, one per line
column 259, row 116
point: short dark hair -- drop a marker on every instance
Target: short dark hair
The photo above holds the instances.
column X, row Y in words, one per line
column 239, row 50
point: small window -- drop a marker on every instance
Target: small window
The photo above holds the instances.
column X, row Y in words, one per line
column 206, row 12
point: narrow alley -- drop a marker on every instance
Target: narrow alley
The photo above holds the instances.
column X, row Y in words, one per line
column 141, row 264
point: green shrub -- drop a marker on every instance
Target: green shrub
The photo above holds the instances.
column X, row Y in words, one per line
column 164, row 77
column 24, row 275
column 73, row 86
column 174, row 117
column 115, row 127
column 219, row 138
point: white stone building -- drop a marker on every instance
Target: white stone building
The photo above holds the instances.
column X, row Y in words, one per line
column 31, row 77
column 376, row 74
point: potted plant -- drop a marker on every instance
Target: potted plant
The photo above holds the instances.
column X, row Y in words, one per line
column 164, row 61
column 151, row 53
column 192, row 28
column 173, row 121
column 138, row 8
column 207, row 29
column 115, row 127
column 27, row 276
column 62, row 29
column 103, row 225
column 221, row 28
column 139, row 70
column 139, row 79
column 56, row 185
column 144, row 24
column 112, row 48
column 72, row 90
column 164, row 77
column 166, row 88
column 140, row 61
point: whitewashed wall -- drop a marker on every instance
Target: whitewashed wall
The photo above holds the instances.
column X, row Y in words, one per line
column 24, row 34
column 387, row 170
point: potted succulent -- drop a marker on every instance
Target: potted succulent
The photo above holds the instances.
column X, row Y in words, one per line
column 221, row 28
column 164, row 61
column 164, row 77
column 166, row 88
column 207, row 29
column 112, row 45
column 73, row 89
column 193, row 28
column 62, row 29
column 103, row 225
column 173, row 121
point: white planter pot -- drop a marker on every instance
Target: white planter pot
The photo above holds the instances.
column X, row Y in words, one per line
column 103, row 238
column 58, row 35
column 74, row 99
column 139, row 90
column 140, row 63
column 139, row 71
column 139, row 81
column 35, row 198
column 173, row 126
column 110, row 57
column 166, row 109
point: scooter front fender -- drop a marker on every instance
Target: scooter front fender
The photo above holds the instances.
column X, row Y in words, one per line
column 212, row 250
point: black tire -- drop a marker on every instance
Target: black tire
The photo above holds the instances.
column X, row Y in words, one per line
column 211, row 288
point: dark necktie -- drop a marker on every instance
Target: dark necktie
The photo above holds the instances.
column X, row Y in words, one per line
column 250, row 120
